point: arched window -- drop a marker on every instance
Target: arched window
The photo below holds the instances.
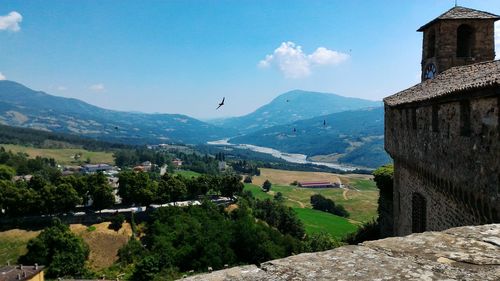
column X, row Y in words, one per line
column 465, row 40
column 419, row 214
column 431, row 44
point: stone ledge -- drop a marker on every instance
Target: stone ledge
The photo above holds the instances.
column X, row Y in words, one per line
column 462, row 253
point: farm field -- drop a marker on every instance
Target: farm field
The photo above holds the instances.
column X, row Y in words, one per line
column 63, row 156
column 359, row 198
column 187, row 173
column 317, row 221
column 103, row 243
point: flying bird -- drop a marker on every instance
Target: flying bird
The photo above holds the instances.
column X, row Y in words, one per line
column 294, row 130
column 287, row 100
column 221, row 103
column 324, row 122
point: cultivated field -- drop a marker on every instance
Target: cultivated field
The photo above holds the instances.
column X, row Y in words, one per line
column 283, row 177
column 359, row 198
column 187, row 173
column 64, row 156
column 103, row 243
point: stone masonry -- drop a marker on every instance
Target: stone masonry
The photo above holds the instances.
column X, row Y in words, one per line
column 465, row 253
column 444, row 133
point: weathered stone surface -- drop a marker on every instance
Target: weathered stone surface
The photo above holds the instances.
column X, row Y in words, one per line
column 464, row 253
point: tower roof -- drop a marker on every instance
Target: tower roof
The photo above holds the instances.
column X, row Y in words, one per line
column 458, row 13
column 452, row 81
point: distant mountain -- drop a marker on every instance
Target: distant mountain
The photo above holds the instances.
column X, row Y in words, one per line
column 23, row 107
column 293, row 106
column 352, row 137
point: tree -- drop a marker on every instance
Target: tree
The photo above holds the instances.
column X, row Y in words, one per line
column 230, row 185
column 319, row 202
column 278, row 197
column 59, row 249
column 384, row 177
column 66, row 198
column 248, row 179
column 131, row 252
column 266, row 186
column 318, row 242
column 6, row 172
column 103, row 197
column 171, row 188
column 116, row 222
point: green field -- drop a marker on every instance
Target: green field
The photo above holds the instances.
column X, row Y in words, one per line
column 63, row 156
column 362, row 205
column 360, row 201
column 13, row 244
column 317, row 221
column 187, row 173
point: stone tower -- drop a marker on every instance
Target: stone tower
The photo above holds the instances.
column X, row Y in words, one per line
column 444, row 133
column 458, row 37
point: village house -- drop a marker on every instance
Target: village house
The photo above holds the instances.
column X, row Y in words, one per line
column 21, row 272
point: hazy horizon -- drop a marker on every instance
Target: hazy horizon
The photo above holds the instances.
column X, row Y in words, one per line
column 184, row 56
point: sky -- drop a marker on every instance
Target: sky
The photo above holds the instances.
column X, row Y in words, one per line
column 185, row 56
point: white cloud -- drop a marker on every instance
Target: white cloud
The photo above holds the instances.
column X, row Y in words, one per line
column 294, row 63
column 11, row 21
column 2, row 77
column 497, row 39
column 97, row 87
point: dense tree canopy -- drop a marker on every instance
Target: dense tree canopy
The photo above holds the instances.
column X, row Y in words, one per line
column 319, row 202
column 198, row 237
column 59, row 249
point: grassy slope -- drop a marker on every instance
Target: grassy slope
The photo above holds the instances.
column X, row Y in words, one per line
column 187, row 173
column 316, row 221
column 361, row 199
column 13, row 244
column 64, row 155
column 103, row 243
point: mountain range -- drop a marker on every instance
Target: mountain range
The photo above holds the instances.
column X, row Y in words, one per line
column 21, row 106
column 353, row 137
column 353, row 132
column 293, row 106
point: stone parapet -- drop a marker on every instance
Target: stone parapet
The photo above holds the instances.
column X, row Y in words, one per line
column 462, row 253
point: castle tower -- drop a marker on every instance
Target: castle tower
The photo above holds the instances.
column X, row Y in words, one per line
column 461, row 36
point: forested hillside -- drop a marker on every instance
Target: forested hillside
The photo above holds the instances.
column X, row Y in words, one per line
column 351, row 137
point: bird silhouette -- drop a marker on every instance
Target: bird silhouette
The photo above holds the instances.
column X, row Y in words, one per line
column 221, row 103
column 287, row 100
column 116, row 128
column 294, row 130
column 324, row 122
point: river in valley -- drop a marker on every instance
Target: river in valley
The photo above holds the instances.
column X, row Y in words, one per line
column 289, row 157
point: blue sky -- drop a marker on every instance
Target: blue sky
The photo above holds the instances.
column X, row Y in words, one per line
column 184, row 56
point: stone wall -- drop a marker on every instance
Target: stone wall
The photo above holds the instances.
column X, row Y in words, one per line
column 464, row 253
column 448, row 150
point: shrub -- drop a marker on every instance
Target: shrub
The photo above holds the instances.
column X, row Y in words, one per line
column 248, row 179
column 266, row 186
column 116, row 222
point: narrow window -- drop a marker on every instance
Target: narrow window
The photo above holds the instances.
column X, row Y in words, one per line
column 401, row 122
column 431, row 44
column 435, row 118
column 465, row 118
column 414, row 118
column 418, row 216
column 407, row 116
column 465, row 40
